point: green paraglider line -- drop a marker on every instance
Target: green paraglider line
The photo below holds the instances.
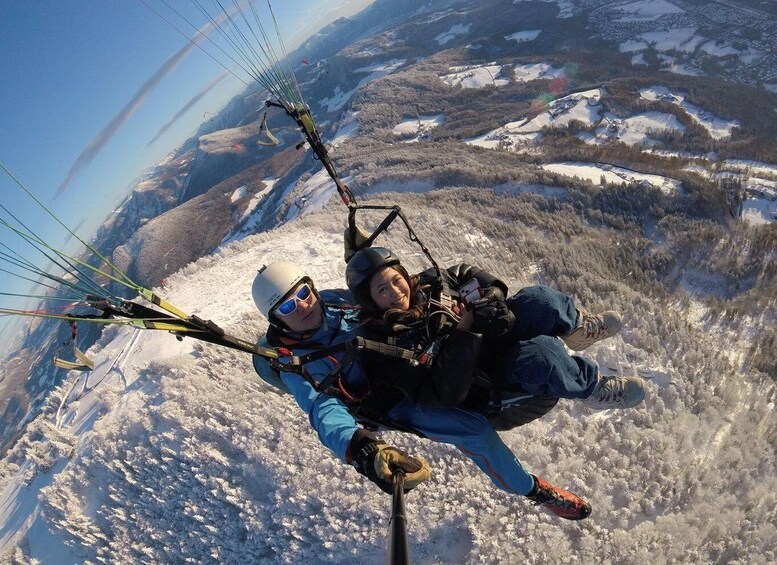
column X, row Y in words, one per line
column 128, row 281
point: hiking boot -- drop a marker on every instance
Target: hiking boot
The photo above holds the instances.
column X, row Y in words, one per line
column 592, row 328
column 559, row 501
column 616, row 392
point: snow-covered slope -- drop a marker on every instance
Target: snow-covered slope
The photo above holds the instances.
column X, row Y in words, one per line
column 173, row 452
column 176, row 451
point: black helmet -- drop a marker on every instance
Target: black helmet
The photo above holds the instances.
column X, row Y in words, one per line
column 366, row 263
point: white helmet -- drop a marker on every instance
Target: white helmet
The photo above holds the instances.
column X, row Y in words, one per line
column 273, row 282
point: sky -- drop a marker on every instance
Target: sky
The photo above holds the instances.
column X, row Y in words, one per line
column 96, row 91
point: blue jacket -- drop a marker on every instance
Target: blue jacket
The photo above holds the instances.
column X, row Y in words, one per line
column 328, row 415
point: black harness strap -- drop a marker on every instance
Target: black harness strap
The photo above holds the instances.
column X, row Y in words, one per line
column 395, row 210
column 329, row 380
column 351, row 348
column 307, row 125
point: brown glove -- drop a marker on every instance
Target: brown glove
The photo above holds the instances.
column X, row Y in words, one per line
column 389, row 459
column 377, row 461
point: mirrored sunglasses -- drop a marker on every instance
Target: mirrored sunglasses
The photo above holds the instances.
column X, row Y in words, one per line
column 288, row 307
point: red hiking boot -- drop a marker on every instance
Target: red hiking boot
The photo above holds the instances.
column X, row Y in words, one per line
column 559, row 501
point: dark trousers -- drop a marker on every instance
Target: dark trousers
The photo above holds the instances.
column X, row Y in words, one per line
column 536, row 359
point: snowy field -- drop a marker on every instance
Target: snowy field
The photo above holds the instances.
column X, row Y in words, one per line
column 524, row 35
column 340, row 98
column 173, row 452
column 490, row 74
column 717, row 128
column 685, row 40
column 759, row 211
column 537, row 71
column 639, row 129
column 584, row 107
column 455, row 31
column 420, row 129
column 759, row 181
column 476, row 76
column 595, row 172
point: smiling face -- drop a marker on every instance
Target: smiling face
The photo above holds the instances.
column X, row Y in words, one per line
column 389, row 289
column 308, row 314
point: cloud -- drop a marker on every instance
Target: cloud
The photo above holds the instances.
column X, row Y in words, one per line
column 100, row 141
column 188, row 105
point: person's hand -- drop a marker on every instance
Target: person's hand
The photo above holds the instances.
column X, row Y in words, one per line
column 492, row 317
column 389, row 459
column 466, row 317
column 378, row 461
column 491, row 294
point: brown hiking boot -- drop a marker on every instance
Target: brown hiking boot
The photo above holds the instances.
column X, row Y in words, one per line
column 616, row 392
column 592, row 328
column 559, row 501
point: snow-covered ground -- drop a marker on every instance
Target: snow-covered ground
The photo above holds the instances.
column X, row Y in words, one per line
column 638, row 129
column 250, row 218
column 586, row 109
column 340, row 98
column 490, row 74
column 758, row 211
column 756, row 168
column 678, row 67
column 685, row 40
column 313, row 195
column 476, row 76
column 420, row 129
column 595, row 172
column 583, row 107
column 176, row 452
column 759, row 181
column 524, row 35
column 348, row 129
column 509, row 136
column 455, row 31
column 718, row 128
column 537, row 71
column 680, row 39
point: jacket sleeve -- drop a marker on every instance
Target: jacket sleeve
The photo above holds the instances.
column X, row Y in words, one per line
column 328, row 415
column 447, row 383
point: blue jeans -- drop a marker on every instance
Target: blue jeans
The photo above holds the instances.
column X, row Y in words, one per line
column 473, row 435
column 541, row 310
column 537, row 361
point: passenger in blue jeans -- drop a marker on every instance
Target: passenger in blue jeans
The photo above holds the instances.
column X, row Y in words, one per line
column 485, row 349
column 305, row 320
